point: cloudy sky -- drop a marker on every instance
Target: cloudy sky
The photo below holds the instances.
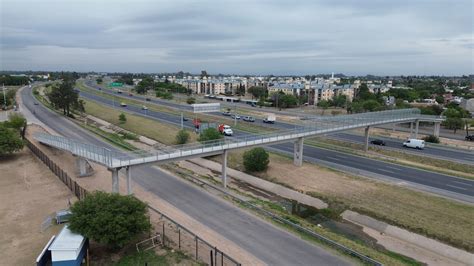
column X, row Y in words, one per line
column 358, row 37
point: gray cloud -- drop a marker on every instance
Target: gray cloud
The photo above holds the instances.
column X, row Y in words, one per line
column 280, row 37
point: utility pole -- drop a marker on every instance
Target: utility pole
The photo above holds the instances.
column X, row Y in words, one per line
column 4, row 97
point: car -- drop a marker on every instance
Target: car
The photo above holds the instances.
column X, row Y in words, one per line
column 249, row 119
column 119, row 91
column 36, row 103
column 378, row 142
column 147, row 99
column 144, row 107
column 470, row 138
column 226, row 113
column 123, row 104
column 130, row 94
column 235, row 116
column 185, row 118
column 414, row 143
column 253, row 104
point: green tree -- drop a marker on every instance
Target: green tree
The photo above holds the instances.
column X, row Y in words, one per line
column 257, row 92
column 109, row 219
column 16, row 121
column 63, row 96
column 143, row 86
column 256, row 160
column 339, row 100
column 371, row 105
column 453, row 123
column 324, row 104
column 191, row 100
column 122, row 118
column 364, row 93
column 440, row 99
column 210, row 134
column 182, row 136
column 99, row 80
column 10, row 140
column 287, row 101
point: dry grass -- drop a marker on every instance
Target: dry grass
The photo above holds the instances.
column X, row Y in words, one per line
column 443, row 219
column 160, row 132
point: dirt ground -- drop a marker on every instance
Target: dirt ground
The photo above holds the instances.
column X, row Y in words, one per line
column 29, row 192
column 101, row 180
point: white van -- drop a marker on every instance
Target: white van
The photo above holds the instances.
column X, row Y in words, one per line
column 414, row 143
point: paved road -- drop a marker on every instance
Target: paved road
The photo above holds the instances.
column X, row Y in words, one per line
column 443, row 153
column 267, row 242
column 458, row 188
column 466, row 157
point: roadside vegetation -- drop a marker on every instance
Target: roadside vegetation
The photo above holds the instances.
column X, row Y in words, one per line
column 11, row 134
column 442, row 219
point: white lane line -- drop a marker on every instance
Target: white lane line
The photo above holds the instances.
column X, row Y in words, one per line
column 466, row 184
column 333, row 158
column 385, row 170
column 340, row 156
column 394, row 168
column 457, row 187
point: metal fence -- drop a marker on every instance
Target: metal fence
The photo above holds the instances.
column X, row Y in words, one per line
column 174, row 235
column 75, row 188
column 177, row 236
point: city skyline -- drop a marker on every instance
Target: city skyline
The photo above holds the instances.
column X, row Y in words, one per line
column 235, row 37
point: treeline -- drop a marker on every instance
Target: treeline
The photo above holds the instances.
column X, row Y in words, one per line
column 8, row 80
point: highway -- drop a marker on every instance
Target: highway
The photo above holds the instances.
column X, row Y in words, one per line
column 446, row 153
column 441, row 184
column 260, row 238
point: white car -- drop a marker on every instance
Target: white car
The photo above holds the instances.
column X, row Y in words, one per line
column 144, row 107
column 414, row 143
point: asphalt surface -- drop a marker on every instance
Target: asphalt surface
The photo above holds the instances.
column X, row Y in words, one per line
column 446, row 185
column 462, row 156
column 260, row 238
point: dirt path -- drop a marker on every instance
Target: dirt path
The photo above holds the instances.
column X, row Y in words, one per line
column 29, row 192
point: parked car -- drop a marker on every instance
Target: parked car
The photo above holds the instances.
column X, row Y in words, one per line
column 378, row 142
column 235, row 116
column 470, row 138
column 123, row 104
column 414, row 143
column 227, row 113
column 249, row 119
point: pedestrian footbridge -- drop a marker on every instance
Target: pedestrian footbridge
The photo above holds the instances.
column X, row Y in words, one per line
column 115, row 160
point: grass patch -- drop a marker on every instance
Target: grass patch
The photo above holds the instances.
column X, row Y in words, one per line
column 113, row 138
column 241, row 125
column 150, row 257
column 402, row 158
column 439, row 218
column 150, row 128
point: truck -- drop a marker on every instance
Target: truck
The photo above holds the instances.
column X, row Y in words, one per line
column 225, row 129
column 270, row 119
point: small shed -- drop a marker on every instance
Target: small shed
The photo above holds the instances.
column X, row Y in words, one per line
column 68, row 249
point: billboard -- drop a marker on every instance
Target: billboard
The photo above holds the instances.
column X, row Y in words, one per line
column 206, row 107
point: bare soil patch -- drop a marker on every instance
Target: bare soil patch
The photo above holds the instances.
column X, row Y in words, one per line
column 29, row 192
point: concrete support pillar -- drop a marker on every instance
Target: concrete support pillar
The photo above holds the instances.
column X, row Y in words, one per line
column 366, row 139
column 82, row 166
column 224, row 169
column 411, row 130
column 115, row 180
column 417, row 124
column 437, row 126
column 298, row 152
column 128, row 172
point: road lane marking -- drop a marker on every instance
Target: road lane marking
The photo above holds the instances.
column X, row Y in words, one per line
column 466, row 184
column 456, row 187
column 394, row 168
column 385, row 170
column 333, row 158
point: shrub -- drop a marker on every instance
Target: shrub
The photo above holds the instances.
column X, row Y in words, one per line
column 110, row 219
column 10, row 140
column 182, row 136
column 122, row 118
column 256, row 160
column 210, row 134
column 191, row 100
column 431, row 138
